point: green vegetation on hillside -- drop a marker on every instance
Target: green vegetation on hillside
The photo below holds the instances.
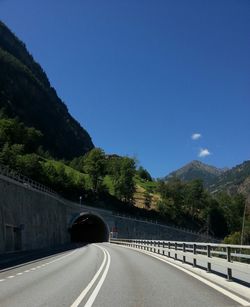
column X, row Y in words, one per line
column 25, row 92
column 97, row 176
column 219, row 214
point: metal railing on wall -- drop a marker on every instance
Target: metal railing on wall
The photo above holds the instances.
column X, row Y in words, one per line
column 27, row 182
column 219, row 258
column 178, row 228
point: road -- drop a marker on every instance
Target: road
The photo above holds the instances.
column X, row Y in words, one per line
column 104, row 275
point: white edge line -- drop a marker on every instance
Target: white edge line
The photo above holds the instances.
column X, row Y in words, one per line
column 205, row 281
column 86, row 290
column 100, row 283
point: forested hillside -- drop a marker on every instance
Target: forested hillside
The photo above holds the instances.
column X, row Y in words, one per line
column 25, row 92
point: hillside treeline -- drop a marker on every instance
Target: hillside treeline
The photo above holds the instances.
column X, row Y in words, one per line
column 21, row 150
column 219, row 215
column 112, row 179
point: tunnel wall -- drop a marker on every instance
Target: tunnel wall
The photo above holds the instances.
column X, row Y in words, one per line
column 31, row 219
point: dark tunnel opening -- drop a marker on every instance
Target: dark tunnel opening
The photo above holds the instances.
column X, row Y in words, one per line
column 89, row 228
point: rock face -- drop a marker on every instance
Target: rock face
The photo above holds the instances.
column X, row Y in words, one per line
column 197, row 170
column 25, row 92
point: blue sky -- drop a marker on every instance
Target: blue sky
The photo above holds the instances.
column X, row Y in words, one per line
column 143, row 76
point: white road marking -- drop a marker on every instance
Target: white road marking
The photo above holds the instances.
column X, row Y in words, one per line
column 99, row 285
column 89, row 286
column 205, row 281
column 39, row 267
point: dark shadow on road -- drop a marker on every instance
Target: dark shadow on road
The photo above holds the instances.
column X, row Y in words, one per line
column 15, row 259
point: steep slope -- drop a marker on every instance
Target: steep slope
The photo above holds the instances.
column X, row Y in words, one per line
column 197, row 170
column 25, row 92
column 237, row 179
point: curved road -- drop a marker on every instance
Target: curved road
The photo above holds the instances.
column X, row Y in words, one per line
column 104, row 275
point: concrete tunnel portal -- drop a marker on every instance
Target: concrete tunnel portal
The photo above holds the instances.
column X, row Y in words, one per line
column 89, row 228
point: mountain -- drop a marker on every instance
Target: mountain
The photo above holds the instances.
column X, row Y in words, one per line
column 234, row 180
column 197, row 170
column 26, row 93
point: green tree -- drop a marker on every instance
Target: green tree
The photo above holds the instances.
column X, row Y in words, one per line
column 172, row 194
column 122, row 173
column 14, row 132
column 233, row 209
column 144, row 174
column 194, row 197
column 94, row 165
column 9, row 154
column 30, row 166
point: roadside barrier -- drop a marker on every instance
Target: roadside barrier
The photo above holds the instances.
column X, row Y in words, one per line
column 218, row 258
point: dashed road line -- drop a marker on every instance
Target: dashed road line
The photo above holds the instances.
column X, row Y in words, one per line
column 38, row 267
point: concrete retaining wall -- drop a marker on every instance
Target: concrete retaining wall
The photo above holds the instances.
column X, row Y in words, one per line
column 31, row 219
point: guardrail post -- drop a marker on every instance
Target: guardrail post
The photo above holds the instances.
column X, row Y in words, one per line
column 229, row 254
column 229, row 274
column 175, row 247
column 229, row 270
column 208, row 255
column 184, row 251
column 163, row 248
column 194, row 252
column 154, row 246
column 169, row 247
column 159, row 247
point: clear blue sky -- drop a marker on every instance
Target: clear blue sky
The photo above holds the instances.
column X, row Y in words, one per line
column 143, row 76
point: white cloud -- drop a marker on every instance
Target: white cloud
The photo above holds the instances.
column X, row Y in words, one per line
column 204, row 152
column 196, row 136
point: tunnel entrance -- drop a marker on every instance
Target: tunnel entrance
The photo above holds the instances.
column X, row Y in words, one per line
column 89, row 228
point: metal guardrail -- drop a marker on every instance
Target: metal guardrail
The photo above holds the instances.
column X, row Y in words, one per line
column 27, row 182
column 205, row 255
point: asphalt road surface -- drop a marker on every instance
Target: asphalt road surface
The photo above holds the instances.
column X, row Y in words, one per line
column 104, row 275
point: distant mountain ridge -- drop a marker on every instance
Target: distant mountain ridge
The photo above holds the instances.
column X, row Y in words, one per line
column 197, row 170
column 26, row 93
column 234, row 180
